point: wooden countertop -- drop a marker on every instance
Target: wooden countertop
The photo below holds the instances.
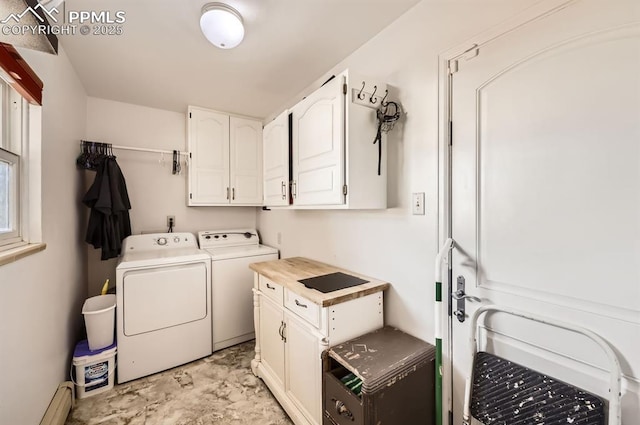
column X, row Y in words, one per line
column 288, row 271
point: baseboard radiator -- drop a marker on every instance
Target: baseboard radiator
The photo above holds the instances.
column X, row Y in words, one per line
column 60, row 405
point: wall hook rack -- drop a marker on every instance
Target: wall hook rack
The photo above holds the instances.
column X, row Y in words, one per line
column 371, row 98
column 382, row 102
column 361, row 96
column 367, row 97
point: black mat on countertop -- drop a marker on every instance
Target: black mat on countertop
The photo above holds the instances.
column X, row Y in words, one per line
column 332, row 282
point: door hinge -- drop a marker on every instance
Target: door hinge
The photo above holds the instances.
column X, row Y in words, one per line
column 450, row 417
column 453, row 66
column 344, row 190
column 471, row 52
column 189, row 114
column 190, row 155
column 450, row 133
column 344, row 88
column 191, row 196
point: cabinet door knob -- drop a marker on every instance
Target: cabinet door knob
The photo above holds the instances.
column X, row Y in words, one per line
column 283, row 189
column 342, row 410
column 271, row 287
column 294, row 189
column 299, row 304
column 233, row 194
column 227, row 193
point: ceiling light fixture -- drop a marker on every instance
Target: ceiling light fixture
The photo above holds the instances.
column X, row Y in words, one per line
column 222, row 25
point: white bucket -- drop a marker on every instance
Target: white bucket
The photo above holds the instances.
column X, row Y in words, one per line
column 99, row 317
column 94, row 373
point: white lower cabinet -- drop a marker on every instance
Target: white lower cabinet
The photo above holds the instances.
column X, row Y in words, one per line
column 271, row 325
column 303, row 383
column 291, row 334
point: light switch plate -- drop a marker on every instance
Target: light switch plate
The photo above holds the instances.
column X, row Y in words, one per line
column 417, row 202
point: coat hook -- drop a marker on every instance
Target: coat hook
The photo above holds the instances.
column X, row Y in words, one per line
column 360, row 95
column 382, row 102
column 372, row 99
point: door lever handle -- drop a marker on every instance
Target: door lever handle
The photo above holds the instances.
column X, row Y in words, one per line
column 460, row 295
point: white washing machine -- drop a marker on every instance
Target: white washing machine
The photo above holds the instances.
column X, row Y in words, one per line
column 232, row 282
column 163, row 303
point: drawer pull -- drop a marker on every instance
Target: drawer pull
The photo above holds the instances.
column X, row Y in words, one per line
column 299, row 304
column 271, row 287
column 342, row 410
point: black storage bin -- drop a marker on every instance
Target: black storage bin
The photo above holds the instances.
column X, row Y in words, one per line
column 385, row 377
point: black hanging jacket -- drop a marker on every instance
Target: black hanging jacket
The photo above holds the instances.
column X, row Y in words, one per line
column 108, row 199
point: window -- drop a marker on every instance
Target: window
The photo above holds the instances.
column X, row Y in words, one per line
column 10, row 226
column 12, row 116
column 20, row 157
column 9, row 193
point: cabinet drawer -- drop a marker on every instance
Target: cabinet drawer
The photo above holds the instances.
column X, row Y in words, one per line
column 341, row 406
column 302, row 307
column 271, row 289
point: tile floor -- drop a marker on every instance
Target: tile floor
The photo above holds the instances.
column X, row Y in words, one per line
column 219, row 389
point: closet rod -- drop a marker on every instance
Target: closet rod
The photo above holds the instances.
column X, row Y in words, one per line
column 127, row 148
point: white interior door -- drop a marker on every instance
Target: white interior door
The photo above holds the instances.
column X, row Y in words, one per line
column 545, row 194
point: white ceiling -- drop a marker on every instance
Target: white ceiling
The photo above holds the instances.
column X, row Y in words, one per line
column 162, row 60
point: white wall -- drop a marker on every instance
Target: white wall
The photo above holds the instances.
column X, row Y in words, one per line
column 154, row 192
column 41, row 295
column 392, row 244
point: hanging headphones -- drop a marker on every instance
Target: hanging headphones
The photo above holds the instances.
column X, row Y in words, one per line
column 388, row 113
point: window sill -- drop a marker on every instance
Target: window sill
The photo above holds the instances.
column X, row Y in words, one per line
column 11, row 255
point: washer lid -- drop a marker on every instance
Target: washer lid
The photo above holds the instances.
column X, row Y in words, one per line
column 240, row 251
column 136, row 259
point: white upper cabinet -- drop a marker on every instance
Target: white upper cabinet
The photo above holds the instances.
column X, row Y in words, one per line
column 209, row 153
column 225, row 154
column 246, row 161
column 276, row 161
column 334, row 163
column 318, row 146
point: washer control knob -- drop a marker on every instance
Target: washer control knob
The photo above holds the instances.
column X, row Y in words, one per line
column 208, row 237
column 224, row 236
column 216, row 236
column 176, row 239
column 162, row 241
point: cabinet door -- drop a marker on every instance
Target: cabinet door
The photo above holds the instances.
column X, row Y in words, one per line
column 303, row 367
column 271, row 342
column 208, row 140
column 246, row 161
column 276, row 161
column 318, row 146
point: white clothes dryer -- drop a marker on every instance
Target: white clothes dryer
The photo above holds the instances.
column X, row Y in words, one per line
column 163, row 303
column 232, row 282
